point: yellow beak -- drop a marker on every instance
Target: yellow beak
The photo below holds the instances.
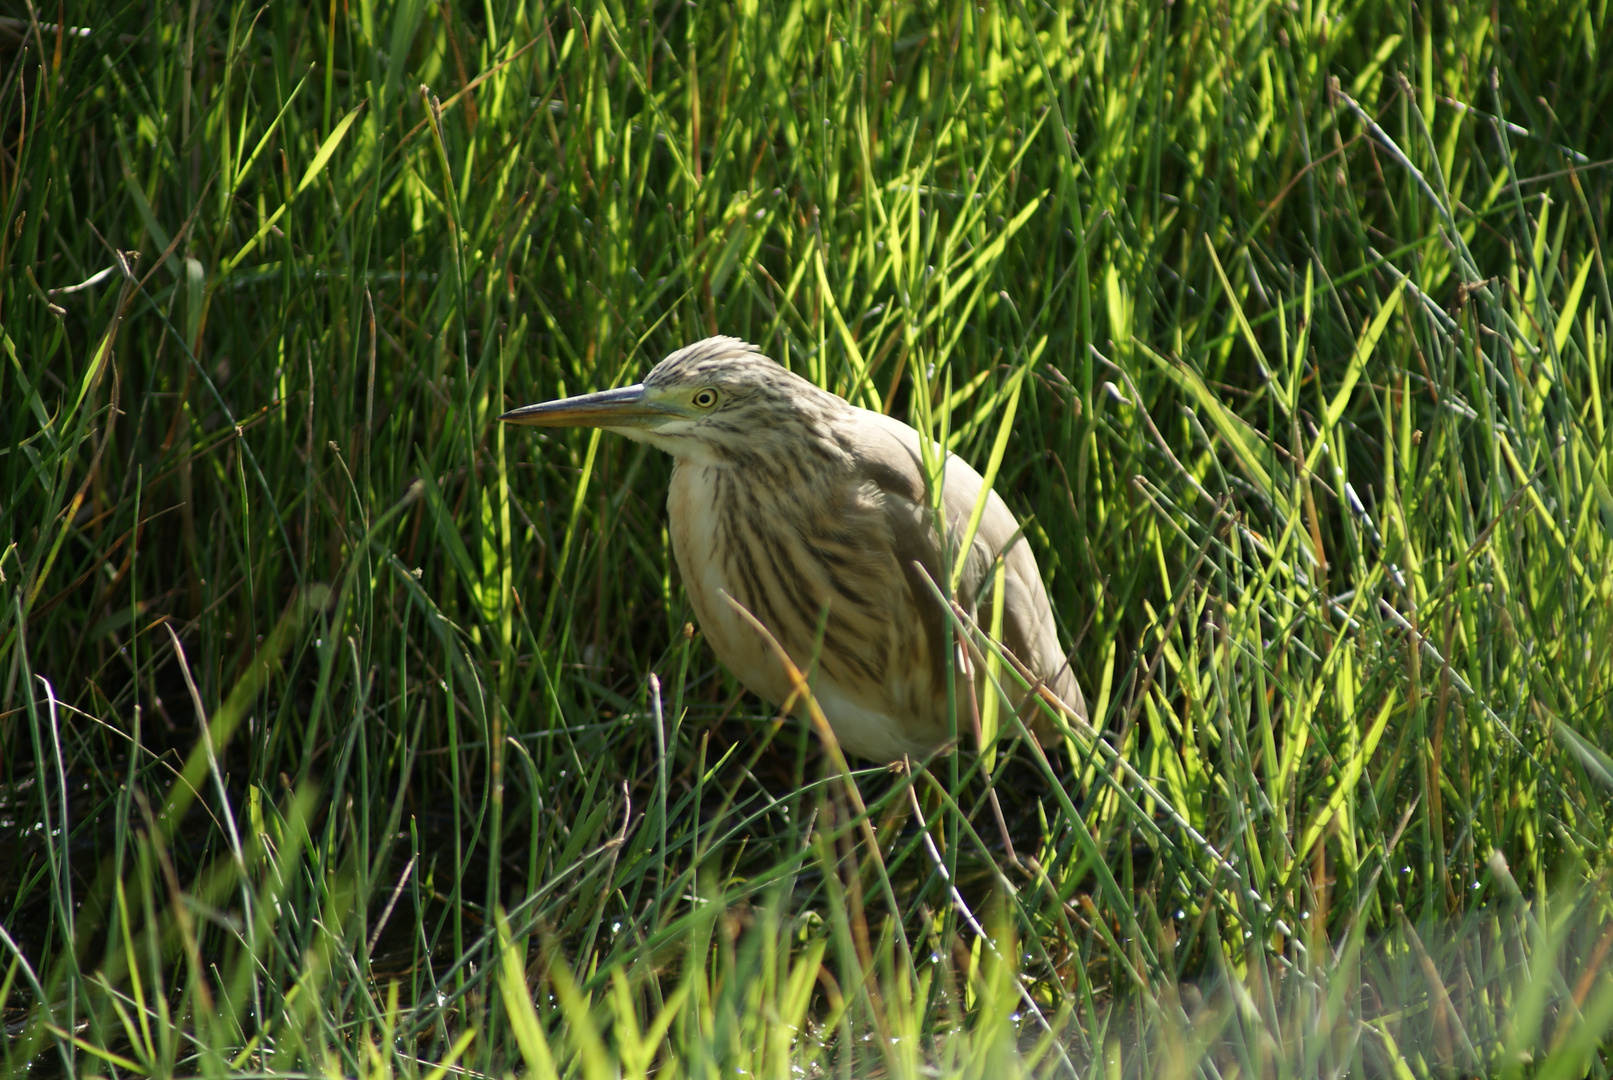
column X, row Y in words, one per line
column 624, row 407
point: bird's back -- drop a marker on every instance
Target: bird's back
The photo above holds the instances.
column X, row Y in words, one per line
column 1030, row 631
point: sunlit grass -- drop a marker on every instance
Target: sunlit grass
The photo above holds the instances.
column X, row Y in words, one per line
column 344, row 730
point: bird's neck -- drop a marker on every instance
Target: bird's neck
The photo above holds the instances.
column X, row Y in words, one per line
column 779, row 454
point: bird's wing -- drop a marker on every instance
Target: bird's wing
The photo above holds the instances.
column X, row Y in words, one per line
column 885, row 453
column 890, row 451
column 1029, row 629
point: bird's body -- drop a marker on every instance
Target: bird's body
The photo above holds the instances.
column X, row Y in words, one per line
column 813, row 515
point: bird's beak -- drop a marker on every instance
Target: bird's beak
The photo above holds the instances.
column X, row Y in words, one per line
column 624, row 407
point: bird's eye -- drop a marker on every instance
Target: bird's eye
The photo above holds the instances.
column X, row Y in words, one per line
column 706, row 398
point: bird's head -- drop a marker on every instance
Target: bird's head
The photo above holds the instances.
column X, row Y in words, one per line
column 711, row 401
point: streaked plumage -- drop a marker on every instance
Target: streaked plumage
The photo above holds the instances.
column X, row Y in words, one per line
column 793, row 501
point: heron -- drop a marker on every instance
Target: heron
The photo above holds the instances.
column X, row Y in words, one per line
column 815, row 516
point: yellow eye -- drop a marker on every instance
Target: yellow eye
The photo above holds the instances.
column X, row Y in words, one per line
column 705, row 399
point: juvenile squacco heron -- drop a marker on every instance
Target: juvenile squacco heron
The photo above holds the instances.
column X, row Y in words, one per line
column 795, row 503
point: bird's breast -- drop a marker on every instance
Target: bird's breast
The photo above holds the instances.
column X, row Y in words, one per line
column 825, row 587
column 705, row 544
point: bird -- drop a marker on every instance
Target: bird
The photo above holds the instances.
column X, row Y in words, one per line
column 815, row 516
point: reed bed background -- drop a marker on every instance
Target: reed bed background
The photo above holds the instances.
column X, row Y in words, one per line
column 345, row 732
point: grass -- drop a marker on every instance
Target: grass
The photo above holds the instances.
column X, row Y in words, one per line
column 346, row 732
